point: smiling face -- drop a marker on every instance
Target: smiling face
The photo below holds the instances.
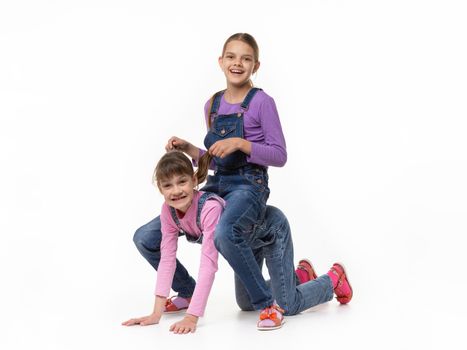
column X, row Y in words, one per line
column 238, row 63
column 178, row 191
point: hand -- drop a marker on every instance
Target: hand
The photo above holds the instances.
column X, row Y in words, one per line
column 225, row 147
column 187, row 325
column 177, row 143
column 143, row 321
column 182, row 145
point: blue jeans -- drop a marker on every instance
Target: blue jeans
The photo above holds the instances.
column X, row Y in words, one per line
column 245, row 191
column 277, row 251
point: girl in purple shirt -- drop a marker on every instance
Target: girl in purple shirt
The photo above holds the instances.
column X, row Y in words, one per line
column 244, row 137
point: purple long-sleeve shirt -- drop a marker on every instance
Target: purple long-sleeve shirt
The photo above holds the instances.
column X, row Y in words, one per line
column 261, row 126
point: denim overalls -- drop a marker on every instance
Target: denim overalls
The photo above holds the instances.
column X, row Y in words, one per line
column 190, row 237
column 244, row 186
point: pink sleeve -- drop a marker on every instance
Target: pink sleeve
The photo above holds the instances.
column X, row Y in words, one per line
column 210, row 215
column 167, row 264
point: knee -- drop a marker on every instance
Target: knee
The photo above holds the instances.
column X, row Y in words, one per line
column 224, row 237
column 139, row 237
column 146, row 238
column 276, row 218
column 219, row 239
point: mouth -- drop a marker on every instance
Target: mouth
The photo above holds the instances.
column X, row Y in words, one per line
column 176, row 199
column 236, row 71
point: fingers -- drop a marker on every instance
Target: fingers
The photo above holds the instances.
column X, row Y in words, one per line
column 142, row 321
column 170, row 143
column 132, row 322
column 182, row 328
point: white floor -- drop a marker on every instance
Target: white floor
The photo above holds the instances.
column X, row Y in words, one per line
column 393, row 308
column 371, row 96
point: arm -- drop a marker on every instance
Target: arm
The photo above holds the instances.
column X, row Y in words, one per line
column 210, row 215
column 208, row 267
column 272, row 150
column 179, row 144
column 168, row 248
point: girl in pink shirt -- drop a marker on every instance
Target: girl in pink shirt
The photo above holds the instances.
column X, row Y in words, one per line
column 194, row 214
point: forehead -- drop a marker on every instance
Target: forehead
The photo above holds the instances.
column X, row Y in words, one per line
column 175, row 178
column 239, row 47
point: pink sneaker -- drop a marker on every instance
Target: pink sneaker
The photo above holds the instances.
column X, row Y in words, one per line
column 343, row 289
column 176, row 304
column 271, row 318
column 305, row 271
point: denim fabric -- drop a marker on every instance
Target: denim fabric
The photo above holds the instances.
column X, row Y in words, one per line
column 228, row 126
column 245, row 188
column 277, row 251
column 246, row 193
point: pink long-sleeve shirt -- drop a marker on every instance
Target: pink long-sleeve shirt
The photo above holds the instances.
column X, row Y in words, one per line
column 261, row 126
column 209, row 218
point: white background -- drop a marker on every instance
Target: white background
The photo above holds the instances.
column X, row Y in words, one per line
column 372, row 99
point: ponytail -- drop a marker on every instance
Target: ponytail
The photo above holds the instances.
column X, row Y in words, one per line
column 203, row 167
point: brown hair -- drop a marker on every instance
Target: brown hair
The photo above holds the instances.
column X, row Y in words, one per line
column 177, row 163
column 247, row 39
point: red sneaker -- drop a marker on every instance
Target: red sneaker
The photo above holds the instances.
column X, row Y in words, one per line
column 305, row 271
column 176, row 304
column 343, row 289
column 271, row 318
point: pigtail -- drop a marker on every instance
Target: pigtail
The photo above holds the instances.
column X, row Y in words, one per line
column 209, row 110
column 203, row 167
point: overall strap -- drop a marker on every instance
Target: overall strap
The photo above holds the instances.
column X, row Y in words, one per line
column 249, row 97
column 215, row 103
column 202, row 199
column 175, row 218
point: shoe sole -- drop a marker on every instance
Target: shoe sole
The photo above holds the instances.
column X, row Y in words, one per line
column 348, row 281
column 271, row 328
column 312, row 268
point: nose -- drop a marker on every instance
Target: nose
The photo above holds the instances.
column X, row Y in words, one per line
column 176, row 190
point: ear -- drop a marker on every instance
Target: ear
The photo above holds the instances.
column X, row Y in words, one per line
column 195, row 181
column 257, row 64
column 219, row 60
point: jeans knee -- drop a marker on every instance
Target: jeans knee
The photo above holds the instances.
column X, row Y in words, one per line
column 224, row 237
column 138, row 238
column 147, row 239
column 219, row 240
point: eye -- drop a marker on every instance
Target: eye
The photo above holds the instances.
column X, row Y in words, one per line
column 166, row 186
column 247, row 59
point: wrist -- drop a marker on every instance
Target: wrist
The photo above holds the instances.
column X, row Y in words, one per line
column 193, row 151
column 244, row 146
column 191, row 317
